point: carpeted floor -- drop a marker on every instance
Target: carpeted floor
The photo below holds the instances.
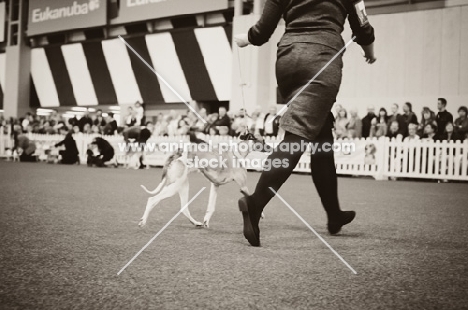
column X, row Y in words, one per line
column 66, row 231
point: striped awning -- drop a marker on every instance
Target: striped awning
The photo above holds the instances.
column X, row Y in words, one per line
column 2, row 77
column 194, row 62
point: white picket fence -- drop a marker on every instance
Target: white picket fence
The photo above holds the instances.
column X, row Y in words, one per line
column 445, row 160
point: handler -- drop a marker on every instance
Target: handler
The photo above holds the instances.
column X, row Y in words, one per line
column 312, row 38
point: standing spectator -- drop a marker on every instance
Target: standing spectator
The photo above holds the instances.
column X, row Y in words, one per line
column 412, row 133
column 354, row 125
column 394, row 117
column 427, row 117
column 130, row 119
column 73, row 121
column 461, row 123
column 139, row 114
column 394, row 131
column 341, row 124
column 111, row 126
column 367, row 121
column 99, row 121
column 85, row 119
column 252, row 123
column 379, row 125
column 270, row 128
column 338, row 108
column 443, row 116
column 70, row 154
column 407, row 118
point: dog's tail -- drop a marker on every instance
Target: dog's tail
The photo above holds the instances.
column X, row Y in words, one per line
column 157, row 190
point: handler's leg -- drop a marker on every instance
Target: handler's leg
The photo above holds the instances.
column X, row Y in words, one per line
column 323, row 170
column 252, row 206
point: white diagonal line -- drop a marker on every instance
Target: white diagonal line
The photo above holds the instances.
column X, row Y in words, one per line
column 313, row 230
column 313, row 79
column 162, row 79
column 160, row 231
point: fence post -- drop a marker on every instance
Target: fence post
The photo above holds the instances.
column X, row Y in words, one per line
column 382, row 159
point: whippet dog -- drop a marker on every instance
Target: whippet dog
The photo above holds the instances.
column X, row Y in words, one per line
column 175, row 178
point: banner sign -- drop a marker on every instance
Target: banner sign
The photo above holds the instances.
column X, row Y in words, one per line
column 361, row 152
column 2, row 21
column 140, row 10
column 46, row 16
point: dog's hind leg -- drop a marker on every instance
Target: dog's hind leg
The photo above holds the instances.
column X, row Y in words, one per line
column 211, row 205
column 168, row 191
column 184, row 195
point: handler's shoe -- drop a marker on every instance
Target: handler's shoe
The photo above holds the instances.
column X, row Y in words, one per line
column 251, row 219
column 346, row 217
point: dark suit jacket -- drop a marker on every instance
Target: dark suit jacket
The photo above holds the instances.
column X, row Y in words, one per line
column 313, row 21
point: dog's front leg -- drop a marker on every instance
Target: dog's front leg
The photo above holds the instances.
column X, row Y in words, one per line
column 184, row 195
column 211, row 205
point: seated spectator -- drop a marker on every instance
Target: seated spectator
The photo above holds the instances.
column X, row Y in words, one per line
column 105, row 153
column 354, row 126
column 430, row 132
column 197, row 124
column 95, row 129
column 70, row 154
column 23, row 146
column 394, row 131
column 87, row 129
column 341, row 122
column 223, row 120
column 183, row 127
column 412, row 133
column 461, row 123
column 85, row 119
column 240, row 124
column 449, row 134
column 427, row 117
column 379, row 125
column 111, row 125
column 394, row 117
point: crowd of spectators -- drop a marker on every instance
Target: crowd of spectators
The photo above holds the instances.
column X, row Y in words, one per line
column 405, row 126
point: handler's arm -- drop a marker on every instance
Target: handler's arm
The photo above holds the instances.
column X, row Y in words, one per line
column 262, row 31
column 362, row 29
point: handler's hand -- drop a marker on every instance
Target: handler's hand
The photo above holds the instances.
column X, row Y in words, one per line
column 242, row 40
